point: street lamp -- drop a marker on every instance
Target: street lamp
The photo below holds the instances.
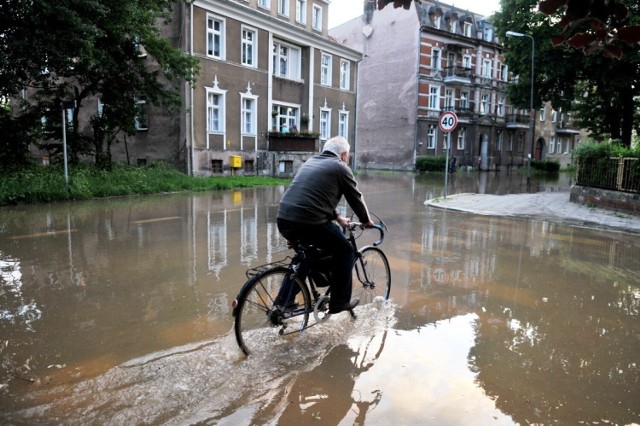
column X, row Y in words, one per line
column 533, row 113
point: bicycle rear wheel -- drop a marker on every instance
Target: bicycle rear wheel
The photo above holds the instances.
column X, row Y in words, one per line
column 371, row 276
column 271, row 305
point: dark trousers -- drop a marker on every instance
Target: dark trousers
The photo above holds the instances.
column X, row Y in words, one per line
column 330, row 238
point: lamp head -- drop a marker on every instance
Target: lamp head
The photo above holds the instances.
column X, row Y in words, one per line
column 514, row 34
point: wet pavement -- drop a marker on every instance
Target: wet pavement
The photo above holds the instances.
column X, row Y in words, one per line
column 553, row 206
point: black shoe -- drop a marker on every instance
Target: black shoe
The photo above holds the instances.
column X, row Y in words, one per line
column 345, row 307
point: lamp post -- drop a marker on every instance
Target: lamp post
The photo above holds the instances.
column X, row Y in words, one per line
column 533, row 113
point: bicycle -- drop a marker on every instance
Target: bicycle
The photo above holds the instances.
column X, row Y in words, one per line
column 279, row 297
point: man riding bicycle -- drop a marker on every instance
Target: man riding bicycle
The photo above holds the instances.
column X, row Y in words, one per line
column 308, row 208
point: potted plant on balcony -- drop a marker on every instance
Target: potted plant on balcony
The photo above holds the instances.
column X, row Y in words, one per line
column 304, row 120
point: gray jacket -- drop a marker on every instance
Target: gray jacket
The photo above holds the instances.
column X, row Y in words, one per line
column 316, row 190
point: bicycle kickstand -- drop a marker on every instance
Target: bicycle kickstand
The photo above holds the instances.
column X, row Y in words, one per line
column 353, row 314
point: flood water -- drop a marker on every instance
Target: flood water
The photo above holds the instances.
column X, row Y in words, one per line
column 118, row 312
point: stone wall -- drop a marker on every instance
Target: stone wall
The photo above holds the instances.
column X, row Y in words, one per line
column 623, row 202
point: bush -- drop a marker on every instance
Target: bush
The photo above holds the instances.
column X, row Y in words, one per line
column 431, row 164
column 546, row 166
column 591, row 150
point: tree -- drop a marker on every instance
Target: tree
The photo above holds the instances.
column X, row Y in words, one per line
column 602, row 90
column 73, row 50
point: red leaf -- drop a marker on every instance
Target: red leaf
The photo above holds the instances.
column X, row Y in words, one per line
column 557, row 41
column 612, row 51
column 581, row 40
column 549, row 7
column 629, row 34
column 620, row 11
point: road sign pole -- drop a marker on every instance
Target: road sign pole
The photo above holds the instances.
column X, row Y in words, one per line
column 447, row 123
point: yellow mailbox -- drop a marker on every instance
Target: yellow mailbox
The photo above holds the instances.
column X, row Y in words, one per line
column 235, row 161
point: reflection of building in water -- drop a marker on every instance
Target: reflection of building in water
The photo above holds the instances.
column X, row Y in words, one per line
column 248, row 234
column 217, row 240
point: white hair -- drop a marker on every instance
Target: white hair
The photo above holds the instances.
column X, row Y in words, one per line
column 337, row 145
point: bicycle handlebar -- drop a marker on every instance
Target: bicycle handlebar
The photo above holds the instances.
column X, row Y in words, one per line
column 380, row 227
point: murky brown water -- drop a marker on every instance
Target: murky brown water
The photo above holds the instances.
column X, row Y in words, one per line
column 118, row 312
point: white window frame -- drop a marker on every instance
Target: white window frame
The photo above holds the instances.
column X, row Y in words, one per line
column 487, row 68
column 504, row 72
column 301, row 11
column 219, row 110
column 552, row 145
column 249, row 47
column 212, row 34
column 487, row 34
column 287, row 115
column 434, row 97
column 283, row 8
column 326, row 61
column 343, row 124
column 510, row 144
column 484, row 104
column 464, row 100
column 141, row 107
column 325, row 123
column 467, row 62
column 501, row 106
column 436, row 59
column 345, row 74
column 499, row 137
column 468, row 29
column 293, row 62
column 554, row 116
column 316, row 18
column 248, row 114
column 449, row 99
column 437, row 21
column 543, row 113
column 431, row 136
column 453, row 25
column 266, row 4
column 462, row 136
column 446, row 140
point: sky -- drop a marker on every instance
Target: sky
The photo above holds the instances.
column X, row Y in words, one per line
column 341, row 11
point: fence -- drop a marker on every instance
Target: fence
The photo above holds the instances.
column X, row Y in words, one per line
column 616, row 173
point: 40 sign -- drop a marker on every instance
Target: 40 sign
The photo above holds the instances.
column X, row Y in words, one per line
column 448, row 121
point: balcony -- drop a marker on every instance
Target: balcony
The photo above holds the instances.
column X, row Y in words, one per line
column 518, row 121
column 293, row 142
column 459, row 75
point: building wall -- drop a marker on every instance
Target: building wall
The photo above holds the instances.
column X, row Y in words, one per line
column 407, row 55
column 556, row 136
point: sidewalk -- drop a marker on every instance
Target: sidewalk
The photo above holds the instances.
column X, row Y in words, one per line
column 554, row 206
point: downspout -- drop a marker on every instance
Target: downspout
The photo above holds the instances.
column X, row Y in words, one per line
column 415, row 130
column 312, row 57
column 191, row 131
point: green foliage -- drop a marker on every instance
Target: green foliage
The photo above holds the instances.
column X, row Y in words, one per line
column 431, row 164
column 591, row 150
column 85, row 49
column 547, row 166
column 601, row 91
column 45, row 184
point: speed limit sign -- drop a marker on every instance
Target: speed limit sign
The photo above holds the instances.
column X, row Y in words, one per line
column 448, row 121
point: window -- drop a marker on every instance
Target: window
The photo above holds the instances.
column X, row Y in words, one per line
column 283, row 7
column 504, row 72
column 325, row 123
column 543, row 114
column 216, row 166
column 325, row 70
column 521, row 142
column 215, row 111
column 301, row 11
column 100, row 107
column 510, row 144
column 248, row 115
column 488, row 34
column 437, row 21
column 434, row 97
column 285, row 166
column 453, row 25
column 552, row 145
column 249, row 49
column 499, row 141
column 501, row 104
column 285, row 117
column 215, row 37
column 554, row 115
column 142, row 114
column 468, row 29
column 464, row 100
column 316, row 18
column 449, row 100
column 486, row 68
column 265, row 3
column 345, row 74
column 466, row 62
column 462, row 135
column 431, row 136
column 286, row 61
column 484, row 104
column 435, row 59
column 446, row 141
column 343, row 124
column 249, row 166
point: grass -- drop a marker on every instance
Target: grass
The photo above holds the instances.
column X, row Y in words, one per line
column 47, row 184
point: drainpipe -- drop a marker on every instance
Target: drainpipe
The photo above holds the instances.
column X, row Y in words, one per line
column 190, row 162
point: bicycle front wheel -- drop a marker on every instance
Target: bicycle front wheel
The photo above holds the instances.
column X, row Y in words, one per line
column 270, row 306
column 371, row 276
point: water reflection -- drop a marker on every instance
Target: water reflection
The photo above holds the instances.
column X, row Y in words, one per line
column 516, row 320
